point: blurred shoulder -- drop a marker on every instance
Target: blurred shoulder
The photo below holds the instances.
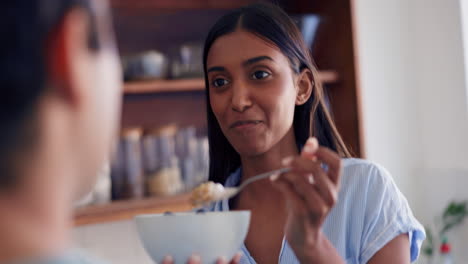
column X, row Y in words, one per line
column 72, row 256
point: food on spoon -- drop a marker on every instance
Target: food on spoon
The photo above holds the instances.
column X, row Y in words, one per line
column 206, row 193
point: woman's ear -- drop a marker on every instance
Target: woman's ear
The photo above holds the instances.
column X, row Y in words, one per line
column 305, row 85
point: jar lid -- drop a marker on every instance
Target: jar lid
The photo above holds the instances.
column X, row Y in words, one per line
column 132, row 133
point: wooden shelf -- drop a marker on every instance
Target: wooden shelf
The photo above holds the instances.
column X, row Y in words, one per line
column 163, row 86
column 190, row 85
column 125, row 210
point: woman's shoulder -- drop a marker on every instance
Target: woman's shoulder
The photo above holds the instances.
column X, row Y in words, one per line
column 367, row 186
column 369, row 197
column 361, row 164
column 360, row 171
column 72, row 256
column 364, row 180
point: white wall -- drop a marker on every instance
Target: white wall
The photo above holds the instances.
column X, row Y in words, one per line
column 415, row 100
column 440, row 77
column 390, row 114
column 464, row 16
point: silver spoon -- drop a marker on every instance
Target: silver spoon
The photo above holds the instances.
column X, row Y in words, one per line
column 229, row 192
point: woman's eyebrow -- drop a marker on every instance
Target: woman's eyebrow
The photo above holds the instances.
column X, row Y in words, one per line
column 216, row 68
column 256, row 59
column 245, row 63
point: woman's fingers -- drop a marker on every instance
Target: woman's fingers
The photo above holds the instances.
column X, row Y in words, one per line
column 236, row 259
column 222, row 260
column 303, row 165
column 314, row 152
column 310, row 148
column 168, row 260
column 303, row 195
column 321, row 181
column 310, row 192
column 327, row 189
column 292, row 197
column 310, row 179
column 333, row 162
column 321, row 186
column 307, row 164
column 194, row 259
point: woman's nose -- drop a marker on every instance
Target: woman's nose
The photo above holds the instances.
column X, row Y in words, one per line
column 241, row 98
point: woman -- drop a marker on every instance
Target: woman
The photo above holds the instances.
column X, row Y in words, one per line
column 264, row 103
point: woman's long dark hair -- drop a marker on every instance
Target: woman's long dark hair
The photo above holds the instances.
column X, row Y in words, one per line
column 272, row 24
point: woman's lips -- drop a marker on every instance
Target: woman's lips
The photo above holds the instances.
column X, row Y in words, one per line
column 245, row 124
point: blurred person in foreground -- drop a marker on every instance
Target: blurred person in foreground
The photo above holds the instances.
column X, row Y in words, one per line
column 60, row 83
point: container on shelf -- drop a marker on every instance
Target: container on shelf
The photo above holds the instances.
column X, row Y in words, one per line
column 149, row 65
column 127, row 168
column 166, row 179
column 161, row 162
column 150, row 149
column 189, row 62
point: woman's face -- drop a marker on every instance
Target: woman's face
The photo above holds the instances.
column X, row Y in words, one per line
column 252, row 92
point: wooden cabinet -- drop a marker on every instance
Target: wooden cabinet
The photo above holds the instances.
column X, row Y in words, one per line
column 165, row 24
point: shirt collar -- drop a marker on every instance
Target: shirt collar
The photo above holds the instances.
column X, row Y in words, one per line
column 234, row 179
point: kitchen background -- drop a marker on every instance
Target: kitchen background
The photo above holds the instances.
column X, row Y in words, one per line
column 397, row 85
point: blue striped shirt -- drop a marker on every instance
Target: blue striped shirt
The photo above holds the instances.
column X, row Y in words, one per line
column 370, row 212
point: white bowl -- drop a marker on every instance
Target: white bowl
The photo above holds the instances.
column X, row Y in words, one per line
column 209, row 234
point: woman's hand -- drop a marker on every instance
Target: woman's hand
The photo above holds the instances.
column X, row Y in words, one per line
column 195, row 259
column 311, row 191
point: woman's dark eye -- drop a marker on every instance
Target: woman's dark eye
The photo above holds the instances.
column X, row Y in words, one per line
column 258, row 75
column 220, row 82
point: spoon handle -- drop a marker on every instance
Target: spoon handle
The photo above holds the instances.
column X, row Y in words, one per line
column 263, row 176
